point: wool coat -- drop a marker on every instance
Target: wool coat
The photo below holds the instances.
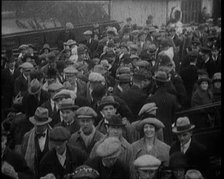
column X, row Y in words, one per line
column 77, row 141
column 117, row 171
column 196, row 154
column 201, row 97
column 19, row 164
column 50, row 163
column 167, row 106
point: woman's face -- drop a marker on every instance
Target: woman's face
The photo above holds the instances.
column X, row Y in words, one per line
column 149, row 130
column 204, row 85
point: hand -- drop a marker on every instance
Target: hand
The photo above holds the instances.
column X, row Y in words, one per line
column 9, row 170
column 48, row 176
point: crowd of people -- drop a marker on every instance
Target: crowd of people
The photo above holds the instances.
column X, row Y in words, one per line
column 105, row 107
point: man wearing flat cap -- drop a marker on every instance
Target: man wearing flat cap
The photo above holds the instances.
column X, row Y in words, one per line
column 62, row 158
column 195, row 152
column 107, row 161
column 67, row 109
column 147, row 167
column 87, row 135
column 35, row 142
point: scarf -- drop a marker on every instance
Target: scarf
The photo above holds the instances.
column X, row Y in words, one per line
column 87, row 138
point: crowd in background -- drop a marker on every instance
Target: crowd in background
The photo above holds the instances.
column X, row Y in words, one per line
column 105, row 107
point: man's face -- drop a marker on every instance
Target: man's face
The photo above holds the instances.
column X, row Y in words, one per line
column 67, row 115
column 184, row 137
column 108, row 111
column 59, row 146
column 217, row 84
column 114, row 131
column 179, row 173
column 40, row 129
column 146, row 174
column 149, row 130
column 204, row 85
column 86, row 125
column 26, row 72
column 12, row 65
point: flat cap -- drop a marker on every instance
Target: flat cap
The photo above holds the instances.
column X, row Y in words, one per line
column 147, row 162
column 147, row 108
column 96, row 77
column 55, row 86
column 88, row 32
column 85, row 171
column 86, row 112
column 142, row 63
column 70, row 70
column 110, row 147
column 26, row 65
column 59, row 134
column 64, row 93
column 123, row 70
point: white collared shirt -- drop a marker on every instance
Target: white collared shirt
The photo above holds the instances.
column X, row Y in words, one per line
column 25, row 77
column 185, row 146
column 42, row 141
column 52, row 105
column 61, row 158
column 120, row 88
column 11, row 71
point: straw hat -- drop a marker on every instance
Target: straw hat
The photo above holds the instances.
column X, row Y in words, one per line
column 183, row 125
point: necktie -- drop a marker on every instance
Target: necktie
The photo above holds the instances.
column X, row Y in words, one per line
column 40, row 135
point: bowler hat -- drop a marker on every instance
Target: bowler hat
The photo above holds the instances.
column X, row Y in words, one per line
column 41, row 117
column 161, row 76
column 177, row 160
column 116, row 120
column 86, row 112
column 150, row 120
column 182, row 125
column 110, row 147
column 85, row 171
column 67, row 104
column 107, row 100
column 147, row 162
column 35, row 87
column 59, row 134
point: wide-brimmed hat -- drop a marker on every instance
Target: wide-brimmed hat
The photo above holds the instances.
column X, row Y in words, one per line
column 108, row 100
column 155, row 122
column 161, row 76
column 67, row 104
column 35, row 87
column 116, row 120
column 85, row 171
column 41, row 117
column 70, row 42
column 182, row 125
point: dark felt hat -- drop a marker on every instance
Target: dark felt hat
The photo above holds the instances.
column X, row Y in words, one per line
column 59, row 134
column 116, row 120
column 108, row 100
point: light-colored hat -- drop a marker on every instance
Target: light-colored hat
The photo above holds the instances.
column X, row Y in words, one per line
column 217, row 77
column 149, row 120
column 88, row 32
column 193, row 174
column 86, row 112
column 23, row 47
column 99, row 69
column 35, row 87
column 147, row 108
column 67, row 104
column 41, row 117
column 110, row 147
column 96, row 77
column 26, row 65
column 183, row 125
column 70, row 70
column 70, row 42
column 64, row 93
column 147, row 162
column 55, row 86
column 85, row 171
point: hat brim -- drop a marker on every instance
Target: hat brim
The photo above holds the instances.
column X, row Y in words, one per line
column 32, row 93
column 155, row 122
column 160, row 80
column 174, row 129
column 69, row 107
column 34, row 122
column 115, row 104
